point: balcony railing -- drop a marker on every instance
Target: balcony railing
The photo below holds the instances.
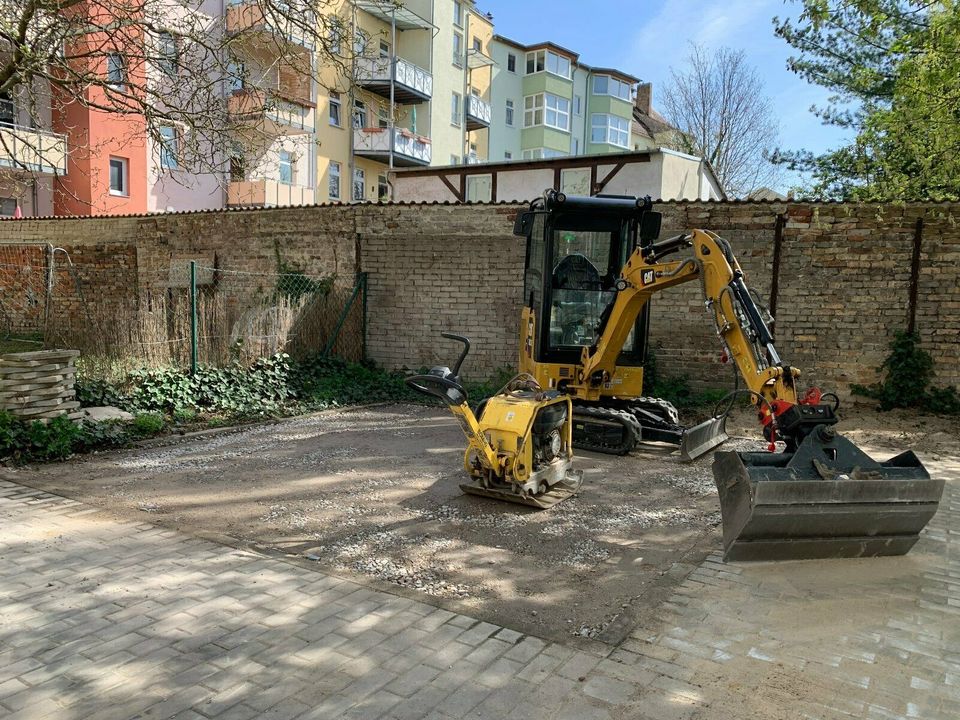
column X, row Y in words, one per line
column 248, row 17
column 268, row 193
column 412, row 84
column 274, row 114
column 477, row 113
column 32, row 150
column 409, row 149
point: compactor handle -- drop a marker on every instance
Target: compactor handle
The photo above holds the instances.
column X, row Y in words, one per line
column 463, row 355
column 442, row 387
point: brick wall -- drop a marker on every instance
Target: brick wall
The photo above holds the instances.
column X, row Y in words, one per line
column 844, row 275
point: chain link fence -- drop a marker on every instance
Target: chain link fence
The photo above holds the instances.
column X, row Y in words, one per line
column 123, row 319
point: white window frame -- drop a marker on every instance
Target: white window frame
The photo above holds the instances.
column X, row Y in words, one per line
column 335, row 35
column 614, row 129
column 335, row 102
column 383, row 187
column 544, row 154
column 169, row 148
column 471, row 187
column 510, row 114
column 124, row 165
column 333, row 182
column 116, row 66
column 168, row 54
column 575, row 145
column 359, row 176
column 457, row 58
column 456, row 108
column 286, row 158
column 612, row 87
column 578, row 105
column 507, row 155
column 360, row 116
column 454, row 159
column 537, row 110
column 542, row 60
column 458, row 13
column 512, row 57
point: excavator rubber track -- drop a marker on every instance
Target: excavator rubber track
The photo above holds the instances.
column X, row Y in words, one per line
column 604, row 430
column 828, row 499
column 556, row 494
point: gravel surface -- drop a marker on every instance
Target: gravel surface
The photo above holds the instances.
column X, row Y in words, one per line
column 374, row 493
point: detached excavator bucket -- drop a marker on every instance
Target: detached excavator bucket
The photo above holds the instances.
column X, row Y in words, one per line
column 826, row 500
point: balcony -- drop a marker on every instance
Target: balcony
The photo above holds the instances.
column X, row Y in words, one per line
column 246, row 18
column 272, row 113
column 477, row 113
column 412, row 84
column 268, row 193
column 409, row 149
column 33, row 151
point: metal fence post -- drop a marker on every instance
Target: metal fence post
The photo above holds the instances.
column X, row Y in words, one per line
column 193, row 316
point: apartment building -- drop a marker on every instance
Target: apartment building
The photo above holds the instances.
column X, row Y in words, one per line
column 412, row 91
column 31, row 153
column 547, row 104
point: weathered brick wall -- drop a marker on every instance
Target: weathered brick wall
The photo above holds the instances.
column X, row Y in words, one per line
column 442, row 268
column 844, row 275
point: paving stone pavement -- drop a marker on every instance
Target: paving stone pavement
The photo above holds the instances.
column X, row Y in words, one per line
column 104, row 618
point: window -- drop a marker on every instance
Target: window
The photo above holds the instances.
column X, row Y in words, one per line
column 454, row 159
column 116, row 71
column 510, row 113
column 334, row 181
column 238, row 166
column 507, row 155
column 458, row 14
column 286, row 164
column 383, row 188
column 533, row 110
column 575, row 146
column 606, row 85
column 546, row 109
column 359, row 185
column 384, row 50
column 8, row 206
column 455, row 109
column 577, row 105
column 359, row 114
column 542, row 154
column 610, row 129
column 8, row 111
column 458, row 49
column 511, row 62
column 361, row 42
column 477, row 45
column 383, row 117
column 335, row 109
column 540, row 60
column 236, row 76
column 119, row 182
column 558, row 112
column 335, row 34
column 169, row 148
column 168, row 56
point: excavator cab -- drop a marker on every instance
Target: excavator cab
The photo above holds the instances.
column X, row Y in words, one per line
column 577, row 248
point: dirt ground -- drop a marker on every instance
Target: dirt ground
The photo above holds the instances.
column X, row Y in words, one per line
column 374, row 493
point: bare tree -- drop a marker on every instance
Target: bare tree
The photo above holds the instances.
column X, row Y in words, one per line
column 183, row 64
column 718, row 103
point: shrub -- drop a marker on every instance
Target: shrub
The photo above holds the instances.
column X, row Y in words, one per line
column 147, row 424
column 908, row 374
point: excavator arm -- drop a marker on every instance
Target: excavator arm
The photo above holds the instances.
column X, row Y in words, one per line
column 739, row 322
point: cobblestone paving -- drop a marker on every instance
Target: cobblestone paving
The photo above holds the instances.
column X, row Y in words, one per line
column 105, row 619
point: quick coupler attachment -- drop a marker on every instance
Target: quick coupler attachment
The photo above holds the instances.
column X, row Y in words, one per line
column 828, row 499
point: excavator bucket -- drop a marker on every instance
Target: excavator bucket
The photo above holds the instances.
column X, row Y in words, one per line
column 826, row 500
column 703, row 438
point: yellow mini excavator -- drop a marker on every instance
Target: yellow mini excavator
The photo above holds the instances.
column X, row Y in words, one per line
column 592, row 266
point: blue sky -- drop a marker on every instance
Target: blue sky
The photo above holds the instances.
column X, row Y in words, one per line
column 647, row 37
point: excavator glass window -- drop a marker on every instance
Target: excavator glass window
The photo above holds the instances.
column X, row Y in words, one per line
column 573, row 262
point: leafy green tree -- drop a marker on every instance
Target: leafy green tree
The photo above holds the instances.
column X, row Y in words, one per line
column 894, row 66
